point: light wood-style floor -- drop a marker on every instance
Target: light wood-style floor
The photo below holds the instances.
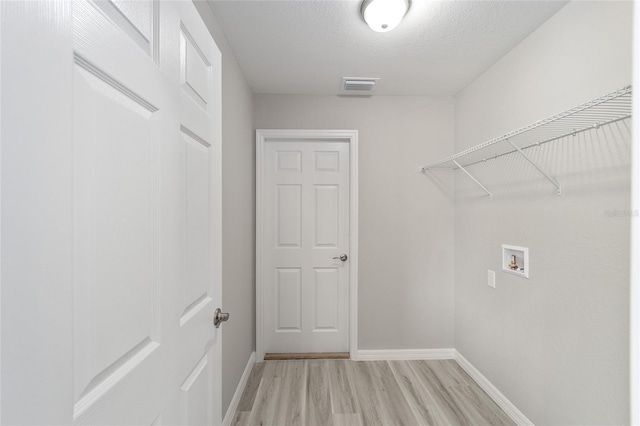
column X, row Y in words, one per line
column 343, row 392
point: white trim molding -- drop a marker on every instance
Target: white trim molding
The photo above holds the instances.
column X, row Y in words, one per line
column 635, row 235
column 350, row 136
column 404, row 354
column 507, row 406
column 233, row 405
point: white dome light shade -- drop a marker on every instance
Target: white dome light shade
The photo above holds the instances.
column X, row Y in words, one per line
column 384, row 15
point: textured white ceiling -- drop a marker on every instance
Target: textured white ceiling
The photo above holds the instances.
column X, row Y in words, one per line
column 307, row 46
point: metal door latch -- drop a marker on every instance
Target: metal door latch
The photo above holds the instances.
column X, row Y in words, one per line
column 219, row 317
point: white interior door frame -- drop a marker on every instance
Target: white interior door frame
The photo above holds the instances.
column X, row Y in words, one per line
column 0, row 216
column 351, row 137
column 635, row 237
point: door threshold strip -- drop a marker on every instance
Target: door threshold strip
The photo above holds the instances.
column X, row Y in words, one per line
column 308, row 355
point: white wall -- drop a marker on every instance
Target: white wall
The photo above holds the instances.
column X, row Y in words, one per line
column 557, row 344
column 238, row 218
column 635, row 246
column 406, row 221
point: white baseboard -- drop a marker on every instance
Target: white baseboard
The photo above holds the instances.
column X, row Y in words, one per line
column 404, row 354
column 502, row 401
column 233, row 405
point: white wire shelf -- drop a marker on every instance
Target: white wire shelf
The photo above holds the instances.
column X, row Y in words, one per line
column 607, row 109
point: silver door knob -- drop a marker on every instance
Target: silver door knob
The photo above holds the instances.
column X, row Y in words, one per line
column 342, row 257
column 219, row 317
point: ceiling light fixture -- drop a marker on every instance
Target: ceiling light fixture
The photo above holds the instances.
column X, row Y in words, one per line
column 384, row 15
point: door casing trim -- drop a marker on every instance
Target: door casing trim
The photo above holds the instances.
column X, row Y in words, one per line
column 351, row 137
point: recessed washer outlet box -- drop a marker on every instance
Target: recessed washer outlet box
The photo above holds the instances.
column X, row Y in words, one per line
column 359, row 85
column 515, row 260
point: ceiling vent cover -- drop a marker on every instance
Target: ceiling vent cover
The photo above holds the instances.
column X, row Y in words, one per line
column 359, row 84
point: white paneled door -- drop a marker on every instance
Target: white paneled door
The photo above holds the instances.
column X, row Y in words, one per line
column 110, row 213
column 305, row 229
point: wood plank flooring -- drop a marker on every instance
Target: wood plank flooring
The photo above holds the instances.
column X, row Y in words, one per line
column 363, row 393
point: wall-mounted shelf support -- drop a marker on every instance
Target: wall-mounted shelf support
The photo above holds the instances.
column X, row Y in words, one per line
column 484, row 188
column 540, row 169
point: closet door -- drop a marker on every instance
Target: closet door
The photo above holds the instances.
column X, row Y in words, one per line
column 110, row 214
column 305, row 256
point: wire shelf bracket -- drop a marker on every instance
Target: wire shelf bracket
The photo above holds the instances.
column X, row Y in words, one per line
column 592, row 115
column 534, row 164
column 484, row 188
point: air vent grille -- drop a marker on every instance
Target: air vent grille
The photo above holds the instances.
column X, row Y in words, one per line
column 359, row 84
